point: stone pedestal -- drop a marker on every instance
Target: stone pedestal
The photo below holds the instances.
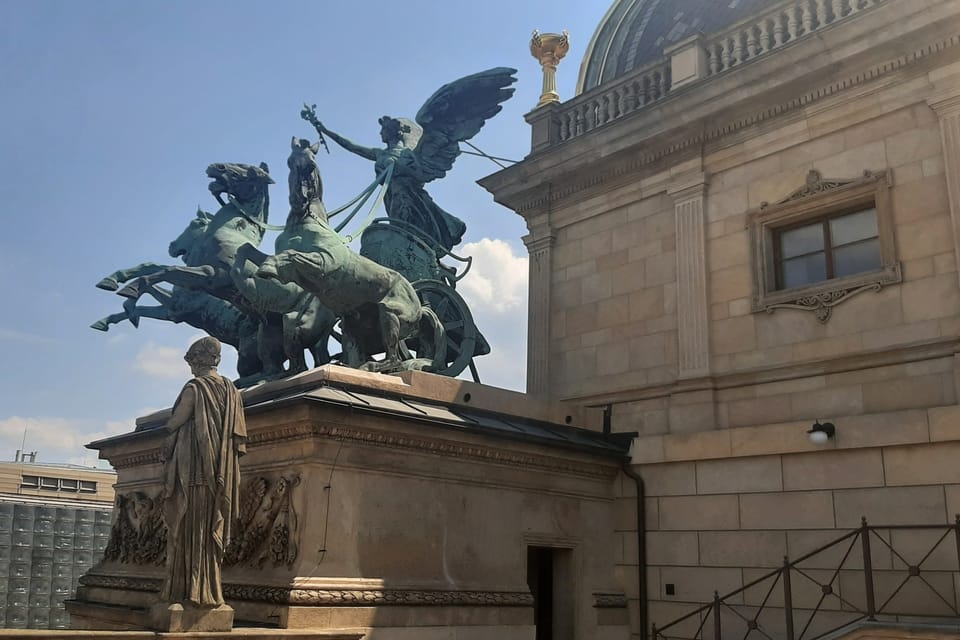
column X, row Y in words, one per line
column 179, row 618
column 369, row 501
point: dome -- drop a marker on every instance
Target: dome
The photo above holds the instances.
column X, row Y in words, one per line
column 635, row 33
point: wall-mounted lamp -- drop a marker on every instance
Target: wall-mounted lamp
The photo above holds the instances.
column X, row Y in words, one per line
column 820, row 433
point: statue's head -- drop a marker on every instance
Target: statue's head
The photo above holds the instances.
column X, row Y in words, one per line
column 392, row 130
column 195, row 231
column 203, row 354
column 244, row 182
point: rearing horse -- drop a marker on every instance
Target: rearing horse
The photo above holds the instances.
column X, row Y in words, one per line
column 216, row 317
column 378, row 307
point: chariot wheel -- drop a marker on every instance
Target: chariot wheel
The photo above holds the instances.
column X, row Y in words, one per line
column 461, row 335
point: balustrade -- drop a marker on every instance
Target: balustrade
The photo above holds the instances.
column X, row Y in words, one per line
column 783, row 24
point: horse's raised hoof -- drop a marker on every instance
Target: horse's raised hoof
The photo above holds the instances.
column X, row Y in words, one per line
column 108, row 284
column 133, row 314
column 130, row 291
column 101, row 325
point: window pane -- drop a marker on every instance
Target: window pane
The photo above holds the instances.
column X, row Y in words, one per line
column 804, row 270
column 856, row 258
column 88, row 486
column 49, row 483
column 30, row 482
column 856, row 226
column 802, row 240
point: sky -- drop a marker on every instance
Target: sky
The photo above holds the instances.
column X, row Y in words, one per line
column 110, row 111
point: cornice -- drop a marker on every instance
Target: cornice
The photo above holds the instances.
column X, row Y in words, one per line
column 926, row 350
column 430, row 446
column 694, row 135
column 399, row 441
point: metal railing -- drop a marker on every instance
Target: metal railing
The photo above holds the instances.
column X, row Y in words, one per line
column 780, row 615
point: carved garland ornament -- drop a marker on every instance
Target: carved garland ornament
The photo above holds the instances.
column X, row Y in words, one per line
column 609, row 601
column 822, row 304
column 332, row 597
column 266, row 528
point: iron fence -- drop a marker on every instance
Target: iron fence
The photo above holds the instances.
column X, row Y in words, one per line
column 869, row 592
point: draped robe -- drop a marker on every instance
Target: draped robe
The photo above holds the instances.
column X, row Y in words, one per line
column 202, row 481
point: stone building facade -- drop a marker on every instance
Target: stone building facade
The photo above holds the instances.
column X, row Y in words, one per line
column 746, row 222
column 54, row 524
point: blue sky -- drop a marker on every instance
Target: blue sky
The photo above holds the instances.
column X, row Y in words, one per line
column 110, row 111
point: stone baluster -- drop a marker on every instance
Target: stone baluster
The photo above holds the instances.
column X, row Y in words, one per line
column 692, row 292
column 792, row 23
column 714, row 58
column 622, row 100
column 837, row 8
column 564, row 126
column 727, row 49
column 752, row 43
column 778, row 31
column 664, row 86
column 806, row 18
column 823, row 16
column 737, row 56
column 764, row 36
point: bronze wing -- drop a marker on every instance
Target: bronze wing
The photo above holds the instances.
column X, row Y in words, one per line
column 457, row 112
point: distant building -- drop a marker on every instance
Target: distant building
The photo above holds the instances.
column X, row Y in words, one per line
column 54, row 524
column 747, row 224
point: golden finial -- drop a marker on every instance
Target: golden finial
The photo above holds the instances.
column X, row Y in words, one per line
column 549, row 49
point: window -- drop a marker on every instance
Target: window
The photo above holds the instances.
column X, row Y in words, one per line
column 834, row 247
column 826, row 241
column 70, row 485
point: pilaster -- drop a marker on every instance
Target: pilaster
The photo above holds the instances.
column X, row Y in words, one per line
column 946, row 104
column 693, row 330
column 540, row 246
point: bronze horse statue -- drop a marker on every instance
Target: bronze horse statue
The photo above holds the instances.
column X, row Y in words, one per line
column 199, row 309
column 378, row 307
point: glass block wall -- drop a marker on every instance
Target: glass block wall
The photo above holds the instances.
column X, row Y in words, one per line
column 43, row 552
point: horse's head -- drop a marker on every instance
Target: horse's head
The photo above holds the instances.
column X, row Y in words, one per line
column 306, row 187
column 191, row 235
column 246, row 183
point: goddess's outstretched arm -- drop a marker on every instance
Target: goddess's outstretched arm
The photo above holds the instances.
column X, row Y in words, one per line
column 346, row 143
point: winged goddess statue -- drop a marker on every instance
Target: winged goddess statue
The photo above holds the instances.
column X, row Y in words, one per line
column 425, row 150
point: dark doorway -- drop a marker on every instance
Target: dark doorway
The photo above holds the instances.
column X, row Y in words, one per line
column 540, row 580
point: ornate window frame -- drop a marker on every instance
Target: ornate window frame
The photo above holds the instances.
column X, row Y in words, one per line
column 818, row 198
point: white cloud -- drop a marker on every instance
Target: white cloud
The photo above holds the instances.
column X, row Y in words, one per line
column 59, row 439
column 22, row 336
column 496, row 292
column 497, row 279
column 161, row 361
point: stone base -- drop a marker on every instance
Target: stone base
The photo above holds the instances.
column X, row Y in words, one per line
column 184, row 617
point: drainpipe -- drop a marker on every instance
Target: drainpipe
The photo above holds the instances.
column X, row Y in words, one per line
column 641, row 551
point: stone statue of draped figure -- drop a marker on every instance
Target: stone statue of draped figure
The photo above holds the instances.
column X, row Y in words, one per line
column 201, row 474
